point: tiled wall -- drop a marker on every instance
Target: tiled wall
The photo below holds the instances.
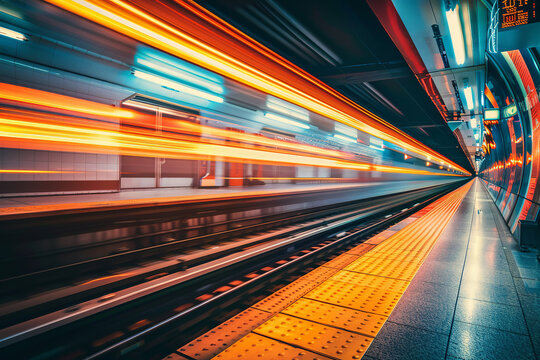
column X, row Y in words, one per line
column 72, row 166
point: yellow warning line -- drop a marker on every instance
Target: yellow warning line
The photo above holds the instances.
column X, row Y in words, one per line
column 335, row 311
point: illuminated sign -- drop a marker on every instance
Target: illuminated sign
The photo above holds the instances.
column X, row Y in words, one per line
column 491, row 114
column 510, row 111
column 517, row 12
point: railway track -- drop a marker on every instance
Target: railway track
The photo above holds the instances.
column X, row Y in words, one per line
column 174, row 296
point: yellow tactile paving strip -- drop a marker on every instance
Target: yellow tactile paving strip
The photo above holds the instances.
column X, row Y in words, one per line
column 254, row 346
column 341, row 261
column 378, row 282
column 322, row 339
column 353, row 296
column 377, row 239
column 225, row 335
column 337, row 316
column 336, row 310
column 362, row 249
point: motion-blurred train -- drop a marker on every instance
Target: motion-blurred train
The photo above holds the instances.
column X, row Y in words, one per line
column 87, row 108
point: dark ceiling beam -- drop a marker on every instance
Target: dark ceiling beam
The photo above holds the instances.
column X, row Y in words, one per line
column 358, row 74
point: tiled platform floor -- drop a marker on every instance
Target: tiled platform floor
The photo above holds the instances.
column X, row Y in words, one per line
column 475, row 297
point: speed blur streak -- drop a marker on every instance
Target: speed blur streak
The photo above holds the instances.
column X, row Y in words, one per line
column 47, row 99
column 83, row 108
column 186, row 30
column 41, row 134
column 19, row 171
column 40, row 131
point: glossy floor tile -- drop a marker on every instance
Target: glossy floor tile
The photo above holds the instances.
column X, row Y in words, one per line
column 464, row 293
column 471, row 292
column 469, row 341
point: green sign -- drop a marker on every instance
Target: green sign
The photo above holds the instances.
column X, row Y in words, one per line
column 510, row 111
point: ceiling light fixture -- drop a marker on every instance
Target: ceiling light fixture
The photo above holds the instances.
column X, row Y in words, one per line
column 492, row 114
column 467, row 90
column 456, row 34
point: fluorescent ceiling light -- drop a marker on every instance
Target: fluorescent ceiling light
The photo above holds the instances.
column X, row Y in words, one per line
column 177, row 86
column 491, row 114
column 286, row 120
column 468, row 97
column 473, row 123
column 183, row 75
column 12, row 34
column 456, row 34
column 343, row 137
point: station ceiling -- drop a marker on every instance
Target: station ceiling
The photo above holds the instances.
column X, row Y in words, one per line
column 343, row 43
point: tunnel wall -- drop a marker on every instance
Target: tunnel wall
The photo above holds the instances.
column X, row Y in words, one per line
column 511, row 166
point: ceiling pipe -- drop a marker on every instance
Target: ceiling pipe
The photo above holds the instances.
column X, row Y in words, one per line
column 390, row 20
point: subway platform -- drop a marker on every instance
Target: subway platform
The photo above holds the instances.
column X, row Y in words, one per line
column 448, row 282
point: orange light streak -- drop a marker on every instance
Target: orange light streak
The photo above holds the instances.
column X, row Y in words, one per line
column 187, row 127
column 58, row 101
column 293, row 178
column 44, row 98
column 46, row 134
column 140, row 25
column 61, row 102
column 106, row 278
column 491, row 98
column 19, row 171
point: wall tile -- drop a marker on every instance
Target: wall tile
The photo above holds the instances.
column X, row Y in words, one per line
column 91, row 175
column 79, row 157
column 102, row 158
column 55, row 156
column 91, row 158
column 67, row 157
column 91, row 167
column 41, row 155
column 55, row 166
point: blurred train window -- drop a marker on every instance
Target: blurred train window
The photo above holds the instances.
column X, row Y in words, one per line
column 148, row 172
